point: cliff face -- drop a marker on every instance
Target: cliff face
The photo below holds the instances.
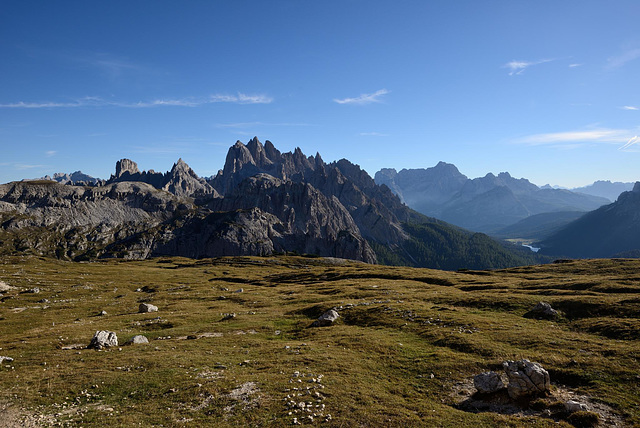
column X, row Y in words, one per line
column 76, row 221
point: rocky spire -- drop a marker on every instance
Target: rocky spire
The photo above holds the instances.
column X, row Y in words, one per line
column 126, row 165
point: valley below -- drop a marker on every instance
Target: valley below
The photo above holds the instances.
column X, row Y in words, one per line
column 232, row 342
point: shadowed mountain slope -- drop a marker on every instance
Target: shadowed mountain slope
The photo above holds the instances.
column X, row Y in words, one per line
column 605, row 232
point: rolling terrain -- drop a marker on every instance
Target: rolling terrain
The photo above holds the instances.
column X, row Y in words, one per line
column 231, row 342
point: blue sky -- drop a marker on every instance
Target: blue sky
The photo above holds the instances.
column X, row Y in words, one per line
column 547, row 90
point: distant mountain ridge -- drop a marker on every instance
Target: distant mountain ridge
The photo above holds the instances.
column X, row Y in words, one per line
column 608, row 231
column 485, row 204
column 262, row 202
column 605, row 189
column 77, row 177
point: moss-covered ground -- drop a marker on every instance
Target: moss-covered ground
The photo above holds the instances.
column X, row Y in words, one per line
column 406, row 343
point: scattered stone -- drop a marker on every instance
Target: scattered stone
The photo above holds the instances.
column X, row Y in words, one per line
column 103, row 339
column 326, row 319
column 542, row 310
column 137, row 340
column 239, row 290
column 488, row 383
column 5, row 287
column 226, row 317
column 102, row 313
column 7, row 359
column 243, row 395
column 574, row 406
column 526, row 379
column 34, row 290
column 147, row 307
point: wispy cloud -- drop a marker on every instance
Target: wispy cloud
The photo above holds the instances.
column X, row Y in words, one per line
column 22, row 166
column 364, row 98
column 110, row 65
column 518, row 67
column 629, row 108
column 574, row 65
column 578, row 137
column 622, row 59
column 634, row 140
column 50, row 153
column 373, row 134
column 240, row 98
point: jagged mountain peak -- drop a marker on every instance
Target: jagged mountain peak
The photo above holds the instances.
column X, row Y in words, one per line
column 181, row 180
column 636, row 187
column 124, row 166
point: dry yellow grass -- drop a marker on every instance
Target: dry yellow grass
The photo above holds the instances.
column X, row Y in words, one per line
column 402, row 353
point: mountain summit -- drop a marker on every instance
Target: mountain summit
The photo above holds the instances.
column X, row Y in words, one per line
column 485, row 204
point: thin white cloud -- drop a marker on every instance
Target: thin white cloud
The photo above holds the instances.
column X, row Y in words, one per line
column 629, row 108
column 578, row 137
column 22, row 166
column 50, row 153
column 364, row 98
column 373, row 134
column 240, row 98
column 518, row 67
column 634, row 140
column 574, row 65
column 622, row 59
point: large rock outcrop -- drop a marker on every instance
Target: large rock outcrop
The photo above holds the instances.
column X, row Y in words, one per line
column 526, row 379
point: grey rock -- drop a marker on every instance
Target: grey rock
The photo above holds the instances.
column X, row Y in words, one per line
column 137, row 340
column 542, row 310
column 574, row 406
column 5, row 287
column 147, row 307
column 103, row 339
column 239, row 290
column 228, row 317
column 7, row 359
column 326, row 319
column 488, row 383
column 526, row 379
column 126, row 166
column 34, row 290
column 102, row 313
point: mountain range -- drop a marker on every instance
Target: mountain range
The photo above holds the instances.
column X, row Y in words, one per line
column 487, row 204
column 262, row 202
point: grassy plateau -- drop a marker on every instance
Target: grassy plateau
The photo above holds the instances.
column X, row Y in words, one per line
column 403, row 352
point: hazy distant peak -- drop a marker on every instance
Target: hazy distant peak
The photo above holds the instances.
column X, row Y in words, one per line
column 636, row 187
